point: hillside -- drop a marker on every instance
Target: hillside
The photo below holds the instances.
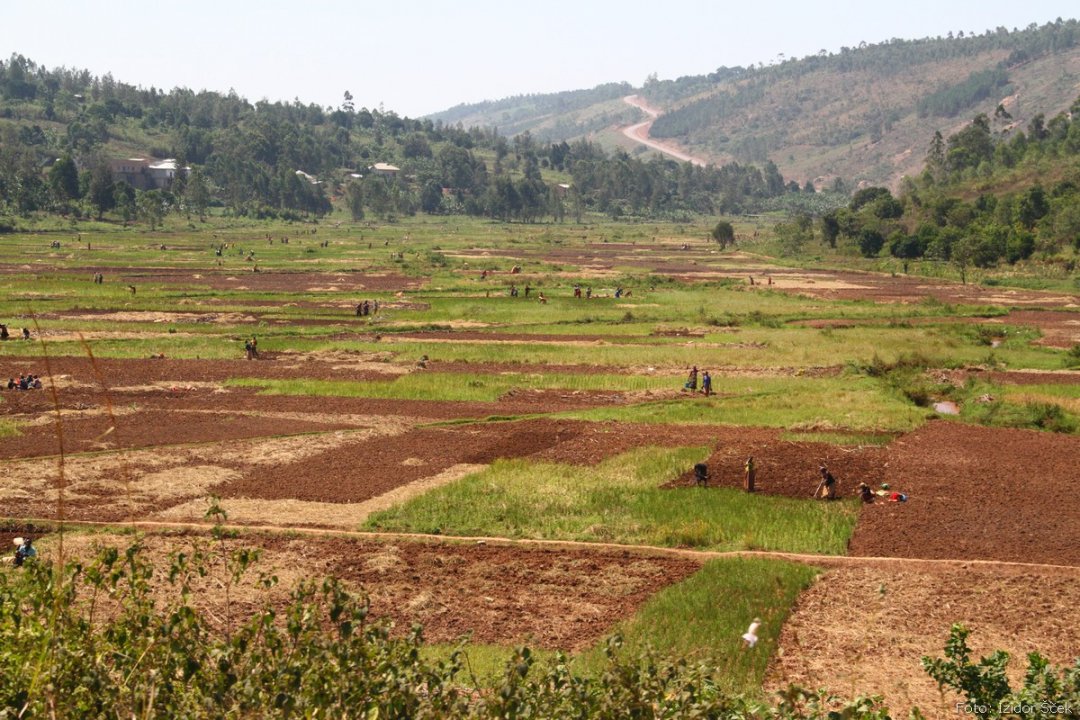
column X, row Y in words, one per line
column 72, row 144
column 863, row 114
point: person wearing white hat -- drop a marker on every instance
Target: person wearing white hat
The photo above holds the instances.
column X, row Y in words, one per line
column 750, row 637
column 24, row 548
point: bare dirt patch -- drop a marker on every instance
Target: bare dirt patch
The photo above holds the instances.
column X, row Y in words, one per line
column 550, row 599
column 784, row 467
column 117, row 485
column 866, row 627
column 94, row 431
column 368, row 469
column 305, row 513
column 977, row 492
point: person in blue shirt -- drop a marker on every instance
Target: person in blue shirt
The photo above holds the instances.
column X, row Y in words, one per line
column 24, row 551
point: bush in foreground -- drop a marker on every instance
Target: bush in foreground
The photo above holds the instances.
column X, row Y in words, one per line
column 102, row 640
column 111, row 638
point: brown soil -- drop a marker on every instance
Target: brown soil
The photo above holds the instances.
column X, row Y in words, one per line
column 788, row 468
column 865, row 628
column 236, row 456
column 240, row 277
column 364, row 470
column 549, row 599
column 1016, row 377
column 1059, row 329
column 977, row 492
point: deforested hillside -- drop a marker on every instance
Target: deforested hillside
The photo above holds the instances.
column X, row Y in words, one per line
column 862, row 114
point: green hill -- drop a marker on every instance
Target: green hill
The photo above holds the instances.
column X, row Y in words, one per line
column 72, row 144
column 864, row 114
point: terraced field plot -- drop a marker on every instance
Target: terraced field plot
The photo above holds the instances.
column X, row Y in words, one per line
column 459, row 410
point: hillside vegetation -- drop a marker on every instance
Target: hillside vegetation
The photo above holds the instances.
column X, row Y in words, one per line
column 66, row 137
column 862, row 114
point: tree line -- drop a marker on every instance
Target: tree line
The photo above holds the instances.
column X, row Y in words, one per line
column 60, row 128
column 989, row 194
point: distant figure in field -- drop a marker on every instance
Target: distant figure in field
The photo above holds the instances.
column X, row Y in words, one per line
column 577, row 291
column 691, row 380
column 24, row 550
column 826, row 489
column 26, row 333
column 513, row 291
column 865, row 493
column 750, row 637
column 588, row 293
column 542, row 299
column 706, row 383
column 701, row 474
column 422, row 362
column 4, row 334
column 248, row 350
column 527, row 290
column 359, row 309
column 751, row 279
column 254, row 348
column 132, row 289
column 750, row 471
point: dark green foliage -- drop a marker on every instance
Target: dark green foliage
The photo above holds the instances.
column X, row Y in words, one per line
column 870, row 242
column 950, row 100
column 96, row 640
column 724, row 233
column 64, row 179
column 905, row 246
column 867, row 196
column 1072, row 357
column 249, row 156
column 1047, row 691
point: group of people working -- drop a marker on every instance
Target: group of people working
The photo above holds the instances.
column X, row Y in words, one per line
column 692, row 382
column 25, row 382
column 367, row 307
column 5, row 334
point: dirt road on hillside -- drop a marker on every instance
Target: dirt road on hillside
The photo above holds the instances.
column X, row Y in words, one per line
column 640, row 132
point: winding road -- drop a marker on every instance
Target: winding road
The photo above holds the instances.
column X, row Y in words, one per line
column 640, row 132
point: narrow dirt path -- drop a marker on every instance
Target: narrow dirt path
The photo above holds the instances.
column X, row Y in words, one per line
column 829, row 561
column 639, row 133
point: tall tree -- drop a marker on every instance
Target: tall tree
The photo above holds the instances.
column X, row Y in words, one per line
column 150, row 206
column 724, row 234
column 354, row 198
column 197, row 194
column 101, row 191
column 64, row 180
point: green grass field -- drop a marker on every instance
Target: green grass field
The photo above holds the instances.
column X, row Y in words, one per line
column 701, row 618
column 821, row 369
column 621, row 501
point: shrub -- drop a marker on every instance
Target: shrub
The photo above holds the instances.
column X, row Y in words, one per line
column 96, row 640
column 1072, row 357
column 1047, row 691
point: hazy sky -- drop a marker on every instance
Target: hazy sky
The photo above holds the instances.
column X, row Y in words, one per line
column 424, row 56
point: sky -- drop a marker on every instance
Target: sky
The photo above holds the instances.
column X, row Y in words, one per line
column 423, row 56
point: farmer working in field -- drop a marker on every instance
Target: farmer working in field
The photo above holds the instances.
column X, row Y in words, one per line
column 691, row 379
column 826, row 489
column 748, row 482
column 24, row 550
column 701, row 474
column 865, row 493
